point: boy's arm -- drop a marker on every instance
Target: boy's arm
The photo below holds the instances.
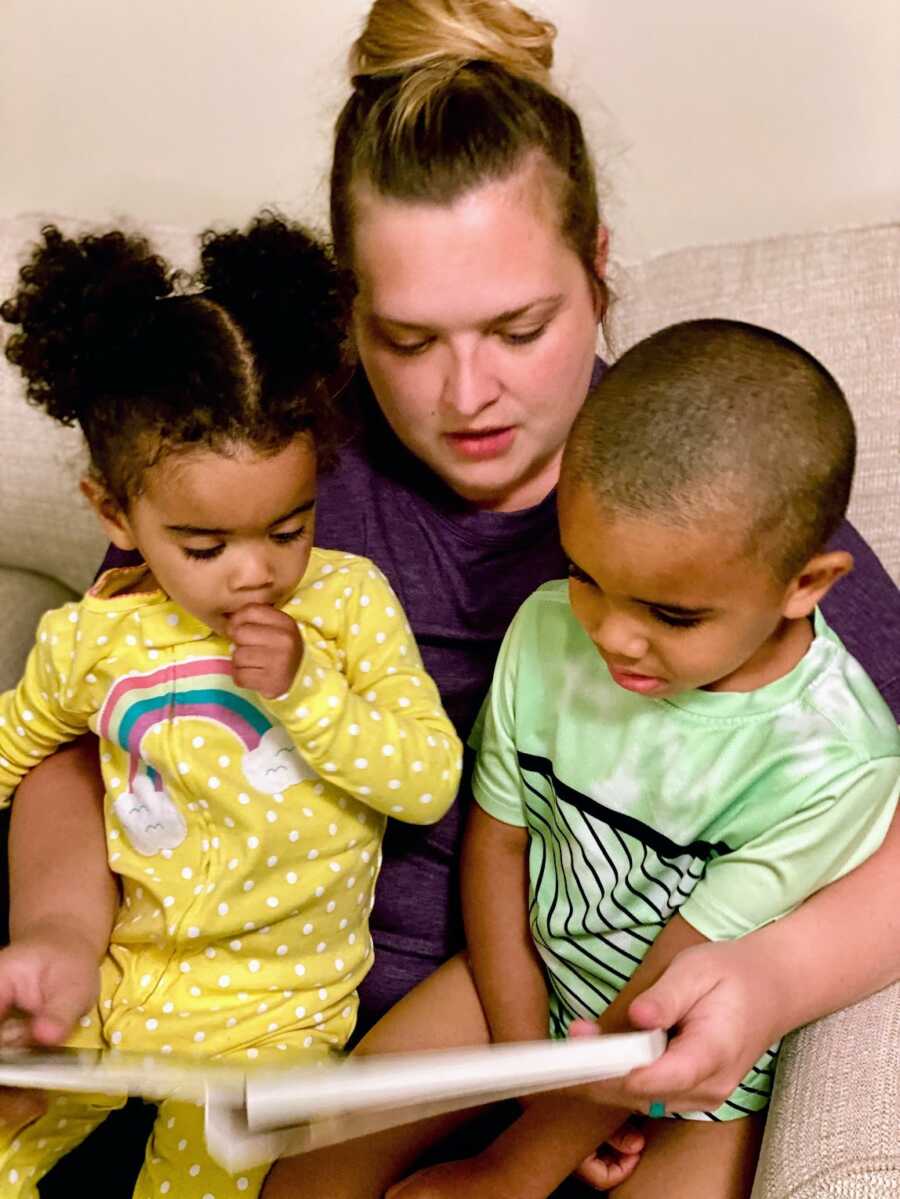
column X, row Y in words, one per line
column 63, row 897
column 507, row 970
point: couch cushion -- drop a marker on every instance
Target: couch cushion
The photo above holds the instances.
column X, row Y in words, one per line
column 47, row 526
column 838, row 295
column 24, row 597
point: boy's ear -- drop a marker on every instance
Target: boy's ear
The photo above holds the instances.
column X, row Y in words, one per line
column 813, row 582
column 109, row 513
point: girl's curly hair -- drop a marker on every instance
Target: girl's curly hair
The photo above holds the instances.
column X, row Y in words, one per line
column 148, row 360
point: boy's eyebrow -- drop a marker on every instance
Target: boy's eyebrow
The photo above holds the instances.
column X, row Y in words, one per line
column 201, row 531
column 501, row 318
column 675, row 609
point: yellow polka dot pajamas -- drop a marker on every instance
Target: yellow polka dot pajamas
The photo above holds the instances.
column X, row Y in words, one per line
column 245, row 831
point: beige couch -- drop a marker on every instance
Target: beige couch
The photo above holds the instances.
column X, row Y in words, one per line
column 834, row 1127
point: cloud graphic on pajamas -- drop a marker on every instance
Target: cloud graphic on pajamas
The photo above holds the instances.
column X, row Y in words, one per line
column 150, row 819
column 275, row 764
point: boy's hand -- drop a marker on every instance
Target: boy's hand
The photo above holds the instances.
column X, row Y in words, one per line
column 48, row 980
column 268, row 649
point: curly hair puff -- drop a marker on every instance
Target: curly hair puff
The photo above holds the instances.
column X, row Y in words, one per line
column 148, row 360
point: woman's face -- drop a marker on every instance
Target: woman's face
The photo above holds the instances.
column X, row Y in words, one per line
column 476, row 324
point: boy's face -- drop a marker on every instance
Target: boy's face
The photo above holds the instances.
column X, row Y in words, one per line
column 671, row 609
column 219, row 532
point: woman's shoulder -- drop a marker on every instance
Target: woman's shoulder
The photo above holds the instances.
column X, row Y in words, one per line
column 864, row 610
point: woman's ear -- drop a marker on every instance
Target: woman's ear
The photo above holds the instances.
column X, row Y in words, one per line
column 109, row 513
column 601, row 254
column 813, row 582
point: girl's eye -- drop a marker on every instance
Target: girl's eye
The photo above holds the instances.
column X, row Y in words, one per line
column 576, row 573
column 203, row 555
column 674, row 622
column 287, row 538
column 524, row 339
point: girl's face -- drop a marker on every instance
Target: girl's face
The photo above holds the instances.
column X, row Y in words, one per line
column 220, row 531
column 476, row 324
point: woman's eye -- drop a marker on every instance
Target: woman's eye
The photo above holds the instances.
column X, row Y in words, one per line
column 287, row 538
column 203, row 555
column 407, row 349
column 525, row 338
column 673, row 621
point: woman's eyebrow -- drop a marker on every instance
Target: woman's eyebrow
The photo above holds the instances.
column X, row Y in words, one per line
column 500, row 318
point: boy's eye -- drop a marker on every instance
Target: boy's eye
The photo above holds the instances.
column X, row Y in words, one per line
column 674, row 621
column 203, row 555
column 525, row 338
column 292, row 535
column 576, row 573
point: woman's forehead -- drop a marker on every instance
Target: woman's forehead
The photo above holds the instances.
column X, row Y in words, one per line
column 495, row 249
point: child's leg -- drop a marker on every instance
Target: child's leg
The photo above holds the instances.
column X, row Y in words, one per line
column 177, row 1162
column 686, row 1158
column 443, row 1012
column 27, row 1153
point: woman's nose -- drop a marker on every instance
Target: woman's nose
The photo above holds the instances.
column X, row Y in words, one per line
column 469, row 385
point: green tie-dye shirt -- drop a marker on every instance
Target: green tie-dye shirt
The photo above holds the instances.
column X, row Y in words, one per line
column 730, row 807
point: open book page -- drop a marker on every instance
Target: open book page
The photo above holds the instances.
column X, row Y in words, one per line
column 256, row 1114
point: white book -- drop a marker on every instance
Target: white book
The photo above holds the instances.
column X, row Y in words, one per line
column 254, row 1115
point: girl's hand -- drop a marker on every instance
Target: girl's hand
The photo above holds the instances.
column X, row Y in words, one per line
column 268, row 649
column 48, row 980
column 613, row 1161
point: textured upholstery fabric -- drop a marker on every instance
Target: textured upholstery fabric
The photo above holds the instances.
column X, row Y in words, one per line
column 24, row 597
column 838, row 295
column 834, row 1125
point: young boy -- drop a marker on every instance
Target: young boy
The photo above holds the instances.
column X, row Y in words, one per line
column 675, row 747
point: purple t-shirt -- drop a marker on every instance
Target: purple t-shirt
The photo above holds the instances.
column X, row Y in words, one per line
column 461, row 574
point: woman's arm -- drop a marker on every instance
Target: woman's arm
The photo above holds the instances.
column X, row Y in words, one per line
column 730, row 1000
column 63, row 898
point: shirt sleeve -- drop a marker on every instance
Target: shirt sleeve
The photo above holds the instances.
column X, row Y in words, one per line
column 46, row 708
column 366, row 715
column 843, row 823
column 497, row 780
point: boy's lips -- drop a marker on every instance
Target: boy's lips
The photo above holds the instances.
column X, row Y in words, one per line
column 482, row 443
column 630, row 680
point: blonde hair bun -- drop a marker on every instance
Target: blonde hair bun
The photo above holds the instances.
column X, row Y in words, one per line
column 439, row 37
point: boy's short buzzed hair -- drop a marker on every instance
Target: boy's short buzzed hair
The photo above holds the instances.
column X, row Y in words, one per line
column 719, row 418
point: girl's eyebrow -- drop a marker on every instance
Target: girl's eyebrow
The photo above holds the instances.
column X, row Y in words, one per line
column 200, row 531
column 501, row 318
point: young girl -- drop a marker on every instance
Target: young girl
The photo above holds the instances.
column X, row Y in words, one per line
column 261, row 703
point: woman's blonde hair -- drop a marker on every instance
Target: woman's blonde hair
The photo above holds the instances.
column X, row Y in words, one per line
column 450, row 94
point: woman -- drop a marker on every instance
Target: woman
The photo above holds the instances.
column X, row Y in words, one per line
column 464, row 210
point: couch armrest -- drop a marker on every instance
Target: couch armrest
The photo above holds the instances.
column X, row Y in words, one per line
column 834, row 1122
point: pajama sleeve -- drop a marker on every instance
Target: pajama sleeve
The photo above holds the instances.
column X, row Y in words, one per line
column 47, row 707
column 362, row 710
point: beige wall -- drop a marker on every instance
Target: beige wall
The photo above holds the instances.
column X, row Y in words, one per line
column 712, row 119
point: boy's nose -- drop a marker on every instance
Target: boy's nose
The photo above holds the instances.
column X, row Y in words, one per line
column 617, row 637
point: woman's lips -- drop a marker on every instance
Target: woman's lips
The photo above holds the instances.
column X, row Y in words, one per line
column 486, row 443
